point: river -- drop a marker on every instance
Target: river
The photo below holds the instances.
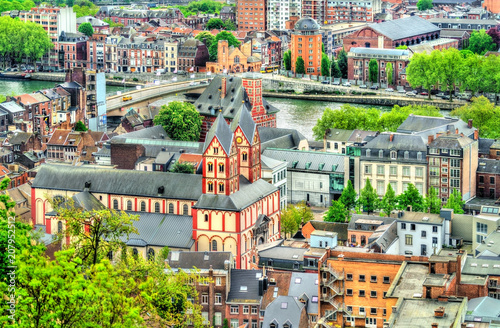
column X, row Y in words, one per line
column 294, row 113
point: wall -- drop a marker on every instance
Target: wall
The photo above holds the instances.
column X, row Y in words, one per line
column 301, row 184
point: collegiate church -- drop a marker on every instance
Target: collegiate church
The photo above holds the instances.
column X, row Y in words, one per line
column 226, row 208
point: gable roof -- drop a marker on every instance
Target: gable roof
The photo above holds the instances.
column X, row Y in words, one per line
column 283, row 309
column 119, row 182
column 308, row 160
column 244, row 286
column 221, row 130
column 305, row 283
column 405, row 27
column 427, row 125
column 339, row 227
column 244, row 120
column 200, row 260
column 400, row 141
column 19, row 138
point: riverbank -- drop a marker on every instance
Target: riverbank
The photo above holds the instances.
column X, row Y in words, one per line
column 60, row 77
column 368, row 100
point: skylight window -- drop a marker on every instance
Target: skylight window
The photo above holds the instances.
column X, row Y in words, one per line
column 243, row 288
column 298, row 280
column 284, row 305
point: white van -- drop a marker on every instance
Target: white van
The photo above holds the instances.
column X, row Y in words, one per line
column 160, row 70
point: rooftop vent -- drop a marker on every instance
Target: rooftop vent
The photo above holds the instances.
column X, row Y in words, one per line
column 161, row 189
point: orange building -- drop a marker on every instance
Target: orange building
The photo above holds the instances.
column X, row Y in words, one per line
column 234, row 60
column 251, row 15
column 306, row 43
column 492, row 5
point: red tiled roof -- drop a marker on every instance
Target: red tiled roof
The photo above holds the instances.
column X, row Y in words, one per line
column 191, row 158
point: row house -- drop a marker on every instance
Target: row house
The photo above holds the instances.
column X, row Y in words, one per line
column 488, row 178
column 68, row 145
column 140, row 54
column 98, row 25
column 133, row 16
column 37, row 111
column 96, row 48
column 268, row 45
column 192, row 55
column 352, row 11
column 14, row 113
column 358, row 62
column 228, row 13
column 111, row 52
column 72, row 50
column 171, row 55
column 60, row 104
column 198, row 21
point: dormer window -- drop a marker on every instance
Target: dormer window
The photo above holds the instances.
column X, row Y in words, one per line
column 380, row 153
column 394, row 154
column 368, row 152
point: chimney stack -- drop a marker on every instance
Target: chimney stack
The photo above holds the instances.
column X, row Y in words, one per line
column 223, row 88
column 456, row 131
column 469, row 124
column 434, row 325
column 391, row 137
column 430, row 138
column 439, row 312
column 476, row 134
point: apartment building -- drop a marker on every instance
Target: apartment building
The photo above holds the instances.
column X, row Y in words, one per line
column 306, row 43
column 314, row 9
column 141, row 54
column 274, row 171
column 192, row 55
column 251, row 15
column 352, row 11
column 96, row 46
column 395, row 159
column 171, row 52
column 453, row 162
column 278, row 12
column 111, row 51
column 484, row 223
column 72, row 50
column 333, row 34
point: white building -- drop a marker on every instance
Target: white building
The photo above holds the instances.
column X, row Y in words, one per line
column 279, row 11
column 274, row 171
column 424, row 234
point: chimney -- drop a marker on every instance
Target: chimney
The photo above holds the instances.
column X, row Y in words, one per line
column 430, row 138
column 434, row 325
column 469, row 124
column 476, row 134
column 439, row 312
column 391, row 137
column 223, row 88
column 456, row 131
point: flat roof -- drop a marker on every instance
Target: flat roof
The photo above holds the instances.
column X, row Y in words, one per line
column 343, row 26
column 411, row 281
column 420, row 313
column 369, row 221
column 419, row 217
column 435, row 280
column 470, row 279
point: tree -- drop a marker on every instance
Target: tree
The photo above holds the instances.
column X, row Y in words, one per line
column 325, row 65
column 224, row 35
column 215, row 23
column 390, row 121
column 389, row 69
column 491, row 71
column 183, row 168
column 80, row 126
column 389, row 201
column 483, row 114
column 495, row 35
column 287, row 60
column 113, row 24
column 421, row 71
column 455, row 202
column 206, row 37
column 229, row 25
column 368, row 197
column 95, row 233
column 449, row 66
column 424, row 4
column 180, row 120
column 342, row 61
column 288, row 221
column 337, row 212
column 473, row 74
column 304, row 213
column 411, row 197
column 402, row 47
column 335, row 69
column 432, row 201
column 300, row 66
column 86, row 28
column 480, row 42
column 373, row 71
column 348, row 197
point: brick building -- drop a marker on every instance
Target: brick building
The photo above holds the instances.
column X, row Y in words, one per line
column 37, row 111
column 392, row 34
column 488, row 178
column 251, row 16
column 72, row 50
column 192, row 56
column 314, row 9
column 352, row 11
column 234, row 60
column 96, row 49
column 453, row 159
column 358, row 62
column 492, row 5
column 306, row 43
column 228, row 94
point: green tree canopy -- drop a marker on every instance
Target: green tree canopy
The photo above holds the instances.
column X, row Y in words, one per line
column 111, row 23
column 215, row 23
column 432, row 201
column 287, row 60
column 389, row 201
column 455, row 202
column 411, row 197
column 293, row 216
column 373, row 71
column 229, row 25
column 480, row 42
column 421, row 71
column 342, row 61
column 224, row 35
column 86, row 28
column 348, row 197
column 424, row 4
column 390, row 72
column 325, row 65
column 335, row 69
column 183, row 168
column 300, row 66
column 206, row 37
column 180, row 120
column 484, row 116
column 80, row 126
column 450, row 65
column 402, row 47
column 337, row 212
column 368, row 197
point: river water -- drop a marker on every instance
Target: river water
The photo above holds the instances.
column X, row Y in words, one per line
column 297, row 114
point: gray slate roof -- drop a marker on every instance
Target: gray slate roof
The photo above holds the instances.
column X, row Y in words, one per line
column 119, row 182
column 279, row 314
column 484, row 145
column 247, row 195
column 306, row 24
column 315, row 161
column 154, row 132
column 399, row 142
column 426, row 125
column 19, row 138
column 376, row 51
column 158, row 229
column 339, row 227
column 279, row 138
column 452, row 141
column 284, row 253
column 405, row 27
column 488, row 166
column 481, row 267
column 87, row 201
column 305, row 283
column 486, row 308
column 222, row 132
column 200, row 260
column 248, row 279
column 12, row 107
column 244, row 120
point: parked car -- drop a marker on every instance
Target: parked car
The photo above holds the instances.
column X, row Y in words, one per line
column 402, row 91
column 424, row 93
column 346, row 84
column 194, row 83
column 389, row 90
column 336, row 82
column 374, row 87
column 363, row 86
column 440, row 95
column 445, row 97
column 410, row 94
column 325, row 82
